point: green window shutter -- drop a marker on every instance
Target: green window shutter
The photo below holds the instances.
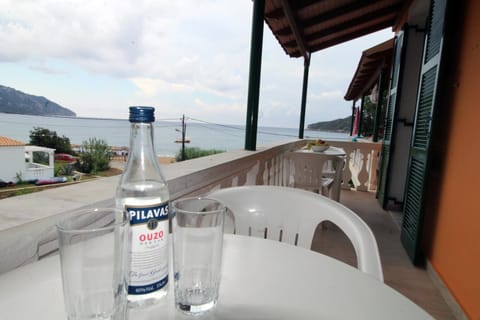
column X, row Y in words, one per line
column 389, row 120
column 411, row 233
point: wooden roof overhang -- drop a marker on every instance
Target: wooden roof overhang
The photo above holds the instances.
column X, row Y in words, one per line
column 372, row 63
column 305, row 26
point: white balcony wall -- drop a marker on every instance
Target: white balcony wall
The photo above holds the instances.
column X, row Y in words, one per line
column 22, row 241
column 37, row 171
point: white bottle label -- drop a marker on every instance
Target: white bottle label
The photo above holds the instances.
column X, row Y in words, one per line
column 149, row 250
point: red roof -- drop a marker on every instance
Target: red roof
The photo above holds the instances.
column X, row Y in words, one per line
column 7, row 142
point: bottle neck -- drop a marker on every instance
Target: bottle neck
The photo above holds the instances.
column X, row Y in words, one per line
column 142, row 168
column 141, row 141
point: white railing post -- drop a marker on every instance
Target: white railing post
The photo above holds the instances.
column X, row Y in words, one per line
column 361, row 162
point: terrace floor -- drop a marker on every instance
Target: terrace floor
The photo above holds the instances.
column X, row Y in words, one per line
column 398, row 271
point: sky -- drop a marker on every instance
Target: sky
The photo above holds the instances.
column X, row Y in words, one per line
column 98, row 57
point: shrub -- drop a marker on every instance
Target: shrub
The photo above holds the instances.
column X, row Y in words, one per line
column 194, row 152
column 94, row 156
column 63, row 169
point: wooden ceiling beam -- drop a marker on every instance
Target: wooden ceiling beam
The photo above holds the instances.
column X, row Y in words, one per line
column 402, row 16
column 336, row 13
column 380, row 16
column 351, row 35
column 384, row 14
column 278, row 13
column 292, row 21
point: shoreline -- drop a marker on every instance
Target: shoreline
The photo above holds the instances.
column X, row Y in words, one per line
column 163, row 160
column 166, row 160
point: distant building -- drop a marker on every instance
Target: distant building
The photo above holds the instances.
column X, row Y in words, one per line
column 21, row 161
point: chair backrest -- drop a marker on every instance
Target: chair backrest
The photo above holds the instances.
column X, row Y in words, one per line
column 306, row 170
column 291, row 215
column 314, row 171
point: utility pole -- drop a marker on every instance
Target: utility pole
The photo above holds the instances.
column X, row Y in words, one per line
column 184, row 130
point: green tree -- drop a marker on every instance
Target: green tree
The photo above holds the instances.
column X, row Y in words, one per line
column 46, row 138
column 369, row 109
column 369, row 113
column 94, row 156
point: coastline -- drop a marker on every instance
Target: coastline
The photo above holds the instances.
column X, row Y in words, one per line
column 120, row 162
column 166, row 160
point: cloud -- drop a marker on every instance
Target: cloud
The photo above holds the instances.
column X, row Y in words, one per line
column 149, row 87
column 45, row 68
column 122, row 38
column 327, row 95
column 187, row 56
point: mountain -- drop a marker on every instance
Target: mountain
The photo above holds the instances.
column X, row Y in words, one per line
column 14, row 101
column 338, row 125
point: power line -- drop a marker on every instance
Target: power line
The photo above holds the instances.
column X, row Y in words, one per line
column 243, row 129
column 170, row 125
column 218, row 130
column 168, row 119
column 217, row 124
column 276, row 134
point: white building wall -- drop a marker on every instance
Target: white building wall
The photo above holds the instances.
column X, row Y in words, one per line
column 12, row 161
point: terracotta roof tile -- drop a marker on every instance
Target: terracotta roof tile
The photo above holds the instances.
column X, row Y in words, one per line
column 7, row 142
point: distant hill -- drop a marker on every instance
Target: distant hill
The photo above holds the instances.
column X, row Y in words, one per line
column 14, row 101
column 338, row 125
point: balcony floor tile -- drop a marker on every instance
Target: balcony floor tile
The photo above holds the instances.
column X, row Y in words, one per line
column 398, row 271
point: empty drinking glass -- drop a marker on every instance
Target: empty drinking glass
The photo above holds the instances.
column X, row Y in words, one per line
column 93, row 245
column 197, row 247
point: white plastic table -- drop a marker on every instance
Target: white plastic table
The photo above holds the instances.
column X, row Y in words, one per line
column 261, row 279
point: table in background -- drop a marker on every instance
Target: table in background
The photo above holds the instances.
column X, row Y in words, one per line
column 330, row 151
column 261, row 279
column 324, row 168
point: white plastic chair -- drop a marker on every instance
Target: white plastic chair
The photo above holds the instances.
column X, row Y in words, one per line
column 292, row 215
column 320, row 173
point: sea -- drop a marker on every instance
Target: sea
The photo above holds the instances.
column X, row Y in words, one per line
column 115, row 132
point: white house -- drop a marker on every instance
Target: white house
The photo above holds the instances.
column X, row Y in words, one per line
column 17, row 161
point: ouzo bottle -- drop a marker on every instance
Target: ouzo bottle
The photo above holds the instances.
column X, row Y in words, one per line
column 143, row 193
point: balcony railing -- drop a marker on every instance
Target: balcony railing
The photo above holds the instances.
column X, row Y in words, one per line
column 27, row 242
column 267, row 167
column 37, row 171
column 361, row 164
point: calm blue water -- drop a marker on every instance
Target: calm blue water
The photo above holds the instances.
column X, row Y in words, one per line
column 116, row 132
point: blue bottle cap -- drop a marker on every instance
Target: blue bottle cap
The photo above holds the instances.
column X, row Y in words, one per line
column 142, row 114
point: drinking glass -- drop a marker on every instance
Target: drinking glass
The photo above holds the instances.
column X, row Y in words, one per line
column 197, row 253
column 93, row 246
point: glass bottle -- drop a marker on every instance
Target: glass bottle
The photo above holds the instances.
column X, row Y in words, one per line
column 143, row 193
